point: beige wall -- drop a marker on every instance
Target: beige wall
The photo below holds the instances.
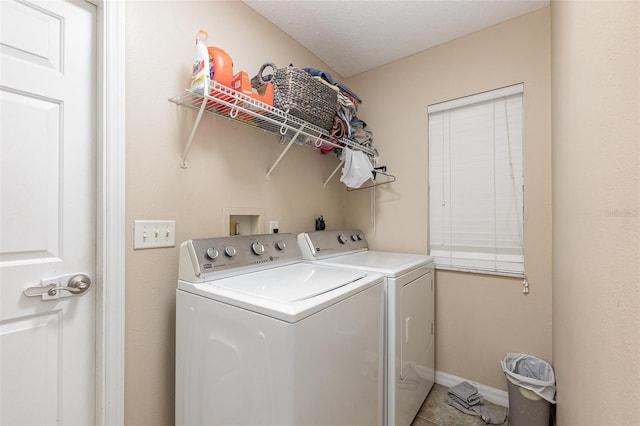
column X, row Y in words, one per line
column 596, row 219
column 227, row 166
column 479, row 318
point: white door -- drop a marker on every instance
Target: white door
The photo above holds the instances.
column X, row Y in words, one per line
column 47, row 211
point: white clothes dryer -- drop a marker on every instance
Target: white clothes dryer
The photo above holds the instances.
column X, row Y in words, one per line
column 409, row 313
column 263, row 338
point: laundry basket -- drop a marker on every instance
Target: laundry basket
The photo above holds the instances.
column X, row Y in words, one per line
column 299, row 94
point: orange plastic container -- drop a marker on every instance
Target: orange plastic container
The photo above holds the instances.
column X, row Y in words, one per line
column 242, row 84
column 222, row 66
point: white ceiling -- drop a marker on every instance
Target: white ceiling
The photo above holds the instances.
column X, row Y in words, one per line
column 354, row 36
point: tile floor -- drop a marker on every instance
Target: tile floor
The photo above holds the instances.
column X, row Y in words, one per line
column 435, row 411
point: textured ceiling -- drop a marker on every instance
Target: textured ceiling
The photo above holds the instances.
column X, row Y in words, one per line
column 354, row 36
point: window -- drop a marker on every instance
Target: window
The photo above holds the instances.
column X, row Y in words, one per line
column 476, row 184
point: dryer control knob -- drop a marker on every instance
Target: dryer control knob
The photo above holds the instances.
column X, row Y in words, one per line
column 280, row 245
column 258, row 248
column 230, row 251
column 360, row 237
column 354, row 237
column 212, row 254
column 342, row 239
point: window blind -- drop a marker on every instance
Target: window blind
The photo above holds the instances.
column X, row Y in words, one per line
column 476, row 184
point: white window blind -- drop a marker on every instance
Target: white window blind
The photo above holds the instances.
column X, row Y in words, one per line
column 476, row 185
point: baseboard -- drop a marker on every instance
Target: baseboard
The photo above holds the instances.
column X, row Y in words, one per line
column 490, row 394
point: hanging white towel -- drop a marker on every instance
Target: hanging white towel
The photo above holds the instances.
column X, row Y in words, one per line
column 357, row 168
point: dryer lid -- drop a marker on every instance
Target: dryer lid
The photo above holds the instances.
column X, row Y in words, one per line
column 389, row 264
column 291, row 283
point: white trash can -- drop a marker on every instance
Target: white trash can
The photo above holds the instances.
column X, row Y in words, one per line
column 532, row 389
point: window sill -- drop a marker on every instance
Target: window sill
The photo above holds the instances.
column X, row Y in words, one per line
column 480, row 271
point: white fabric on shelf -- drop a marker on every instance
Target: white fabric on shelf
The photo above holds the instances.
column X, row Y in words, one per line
column 357, row 168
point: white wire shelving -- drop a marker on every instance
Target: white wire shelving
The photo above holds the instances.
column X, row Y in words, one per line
column 222, row 101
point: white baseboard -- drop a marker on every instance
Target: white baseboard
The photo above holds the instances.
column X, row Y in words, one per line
column 490, row 394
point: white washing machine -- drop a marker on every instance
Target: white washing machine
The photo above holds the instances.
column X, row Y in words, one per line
column 264, row 338
column 409, row 318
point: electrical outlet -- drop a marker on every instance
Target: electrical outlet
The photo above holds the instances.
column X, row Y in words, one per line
column 154, row 234
column 274, row 226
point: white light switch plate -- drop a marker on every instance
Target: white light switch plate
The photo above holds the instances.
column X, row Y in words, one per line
column 154, row 234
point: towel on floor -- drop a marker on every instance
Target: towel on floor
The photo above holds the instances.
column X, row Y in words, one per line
column 487, row 415
column 465, row 397
column 462, row 402
column 465, row 392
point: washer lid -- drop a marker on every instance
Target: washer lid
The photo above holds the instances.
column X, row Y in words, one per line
column 292, row 283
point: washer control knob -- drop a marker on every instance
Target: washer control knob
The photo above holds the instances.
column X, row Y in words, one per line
column 212, row 254
column 360, row 237
column 258, row 248
column 354, row 237
column 230, row 251
column 342, row 239
column 280, row 245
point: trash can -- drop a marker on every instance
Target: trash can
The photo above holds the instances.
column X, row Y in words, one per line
column 532, row 389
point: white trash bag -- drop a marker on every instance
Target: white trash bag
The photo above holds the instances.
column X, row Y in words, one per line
column 530, row 373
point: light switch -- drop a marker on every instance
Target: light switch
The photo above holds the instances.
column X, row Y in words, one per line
column 154, row 234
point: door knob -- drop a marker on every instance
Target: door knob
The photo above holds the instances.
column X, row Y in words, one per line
column 77, row 284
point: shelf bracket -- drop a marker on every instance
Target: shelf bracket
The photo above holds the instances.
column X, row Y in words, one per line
column 324, row 185
column 284, row 151
column 183, row 163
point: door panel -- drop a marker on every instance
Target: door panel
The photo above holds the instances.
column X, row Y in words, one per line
column 43, row 46
column 47, row 210
column 31, row 178
column 416, row 327
column 31, row 343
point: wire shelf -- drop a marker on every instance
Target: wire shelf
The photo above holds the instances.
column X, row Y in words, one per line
column 225, row 102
